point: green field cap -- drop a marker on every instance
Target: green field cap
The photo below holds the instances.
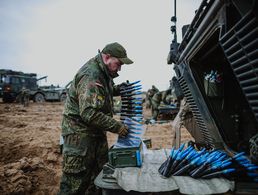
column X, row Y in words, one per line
column 118, row 51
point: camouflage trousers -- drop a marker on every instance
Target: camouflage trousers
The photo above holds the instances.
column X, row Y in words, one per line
column 79, row 171
column 154, row 109
column 25, row 100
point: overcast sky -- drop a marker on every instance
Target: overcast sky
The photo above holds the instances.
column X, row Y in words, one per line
column 56, row 37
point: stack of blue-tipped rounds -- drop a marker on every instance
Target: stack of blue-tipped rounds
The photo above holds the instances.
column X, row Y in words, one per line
column 131, row 114
column 208, row 164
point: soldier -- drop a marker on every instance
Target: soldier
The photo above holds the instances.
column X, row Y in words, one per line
column 154, row 89
column 86, row 118
column 150, row 94
column 147, row 100
column 24, row 96
column 155, row 101
column 161, row 96
column 166, row 97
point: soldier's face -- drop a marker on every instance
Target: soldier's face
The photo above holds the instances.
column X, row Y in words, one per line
column 114, row 65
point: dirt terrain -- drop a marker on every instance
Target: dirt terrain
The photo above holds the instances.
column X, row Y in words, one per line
column 30, row 161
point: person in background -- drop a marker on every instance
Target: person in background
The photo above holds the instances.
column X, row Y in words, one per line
column 150, row 93
column 157, row 99
column 24, row 96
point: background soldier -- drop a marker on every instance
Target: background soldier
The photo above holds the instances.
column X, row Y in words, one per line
column 150, row 93
column 161, row 96
column 24, row 96
column 155, row 102
column 86, row 118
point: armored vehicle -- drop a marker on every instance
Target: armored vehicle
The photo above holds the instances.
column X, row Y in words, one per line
column 217, row 68
column 12, row 82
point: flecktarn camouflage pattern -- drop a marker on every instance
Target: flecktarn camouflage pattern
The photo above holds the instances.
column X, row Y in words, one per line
column 86, row 118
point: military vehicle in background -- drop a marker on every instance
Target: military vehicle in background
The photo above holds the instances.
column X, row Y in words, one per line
column 11, row 83
column 216, row 66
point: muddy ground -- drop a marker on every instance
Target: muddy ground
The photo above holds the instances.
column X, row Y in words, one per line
column 30, row 161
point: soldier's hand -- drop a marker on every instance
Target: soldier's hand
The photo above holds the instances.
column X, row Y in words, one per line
column 123, row 85
column 123, row 131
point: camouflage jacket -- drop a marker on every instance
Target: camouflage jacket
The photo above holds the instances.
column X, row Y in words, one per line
column 25, row 92
column 88, row 108
column 157, row 97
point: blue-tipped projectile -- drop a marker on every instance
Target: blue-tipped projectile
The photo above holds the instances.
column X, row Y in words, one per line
column 129, row 87
column 219, row 173
column 128, row 90
column 239, row 154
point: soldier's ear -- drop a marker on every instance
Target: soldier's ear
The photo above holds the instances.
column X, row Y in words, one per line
column 105, row 57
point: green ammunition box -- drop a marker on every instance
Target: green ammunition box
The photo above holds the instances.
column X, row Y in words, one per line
column 125, row 157
column 147, row 143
